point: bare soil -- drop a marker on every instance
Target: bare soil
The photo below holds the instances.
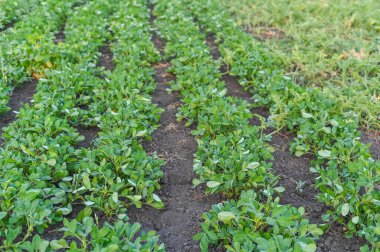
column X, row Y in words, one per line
column 60, row 36
column 89, row 133
column 372, row 138
column 22, row 94
column 105, row 62
column 7, row 26
column 106, row 56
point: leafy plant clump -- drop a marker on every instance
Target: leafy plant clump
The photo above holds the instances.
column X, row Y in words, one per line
column 234, row 162
column 118, row 236
column 249, row 225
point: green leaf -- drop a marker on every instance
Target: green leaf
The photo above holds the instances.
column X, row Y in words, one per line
column 115, row 197
column 141, row 133
column 300, row 148
column 315, row 230
column 345, row 209
column 156, row 197
column 197, row 236
column 279, row 189
column 64, row 210
column 253, row 165
column 223, row 92
column 299, row 153
column 355, row 219
column 377, row 230
column 311, row 247
column 196, row 182
column 52, row 162
column 334, row 123
column 204, row 243
column 225, row 216
column 112, row 248
column 301, row 211
column 212, row 184
column 324, row 153
column 58, row 244
column 306, row 115
column 86, row 181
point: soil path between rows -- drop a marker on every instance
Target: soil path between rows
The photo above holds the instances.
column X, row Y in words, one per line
column 180, row 220
column 7, row 26
column 22, row 94
column 106, row 63
column 294, row 172
column 60, row 36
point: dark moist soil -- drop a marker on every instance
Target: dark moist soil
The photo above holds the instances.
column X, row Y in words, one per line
column 180, row 220
column 106, row 56
column 294, row 172
column 89, row 133
column 7, row 26
column 77, row 4
column 105, row 61
column 21, row 95
column 60, row 36
column 372, row 138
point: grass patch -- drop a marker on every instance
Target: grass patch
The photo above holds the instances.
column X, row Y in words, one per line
column 330, row 44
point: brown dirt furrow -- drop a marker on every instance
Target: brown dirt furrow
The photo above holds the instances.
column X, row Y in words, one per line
column 373, row 138
column 294, row 172
column 7, row 26
column 21, row 95
column 106, row 56
column 105, row 61
column 89, row 133
column 77, row 4
column 60, row 36
column 180, row 219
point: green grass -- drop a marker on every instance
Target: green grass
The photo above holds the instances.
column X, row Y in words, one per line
column 333, row 44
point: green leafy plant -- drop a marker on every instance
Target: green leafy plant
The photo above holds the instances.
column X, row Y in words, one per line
column 45, row 174
column 249, row 225
column 232, row 155
column 323, row 125
column 234, row 162
column 117, row 236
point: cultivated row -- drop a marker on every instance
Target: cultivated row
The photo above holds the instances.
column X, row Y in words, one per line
column 47, row 182
column 233, row 156
column 347, row 177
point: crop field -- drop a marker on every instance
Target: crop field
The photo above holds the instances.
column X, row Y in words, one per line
column 178, row 125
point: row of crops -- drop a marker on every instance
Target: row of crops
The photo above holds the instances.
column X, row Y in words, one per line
column 55, row 195
column 347, row 176
column 232, row 156
column 45, row 178
column 12, row 11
